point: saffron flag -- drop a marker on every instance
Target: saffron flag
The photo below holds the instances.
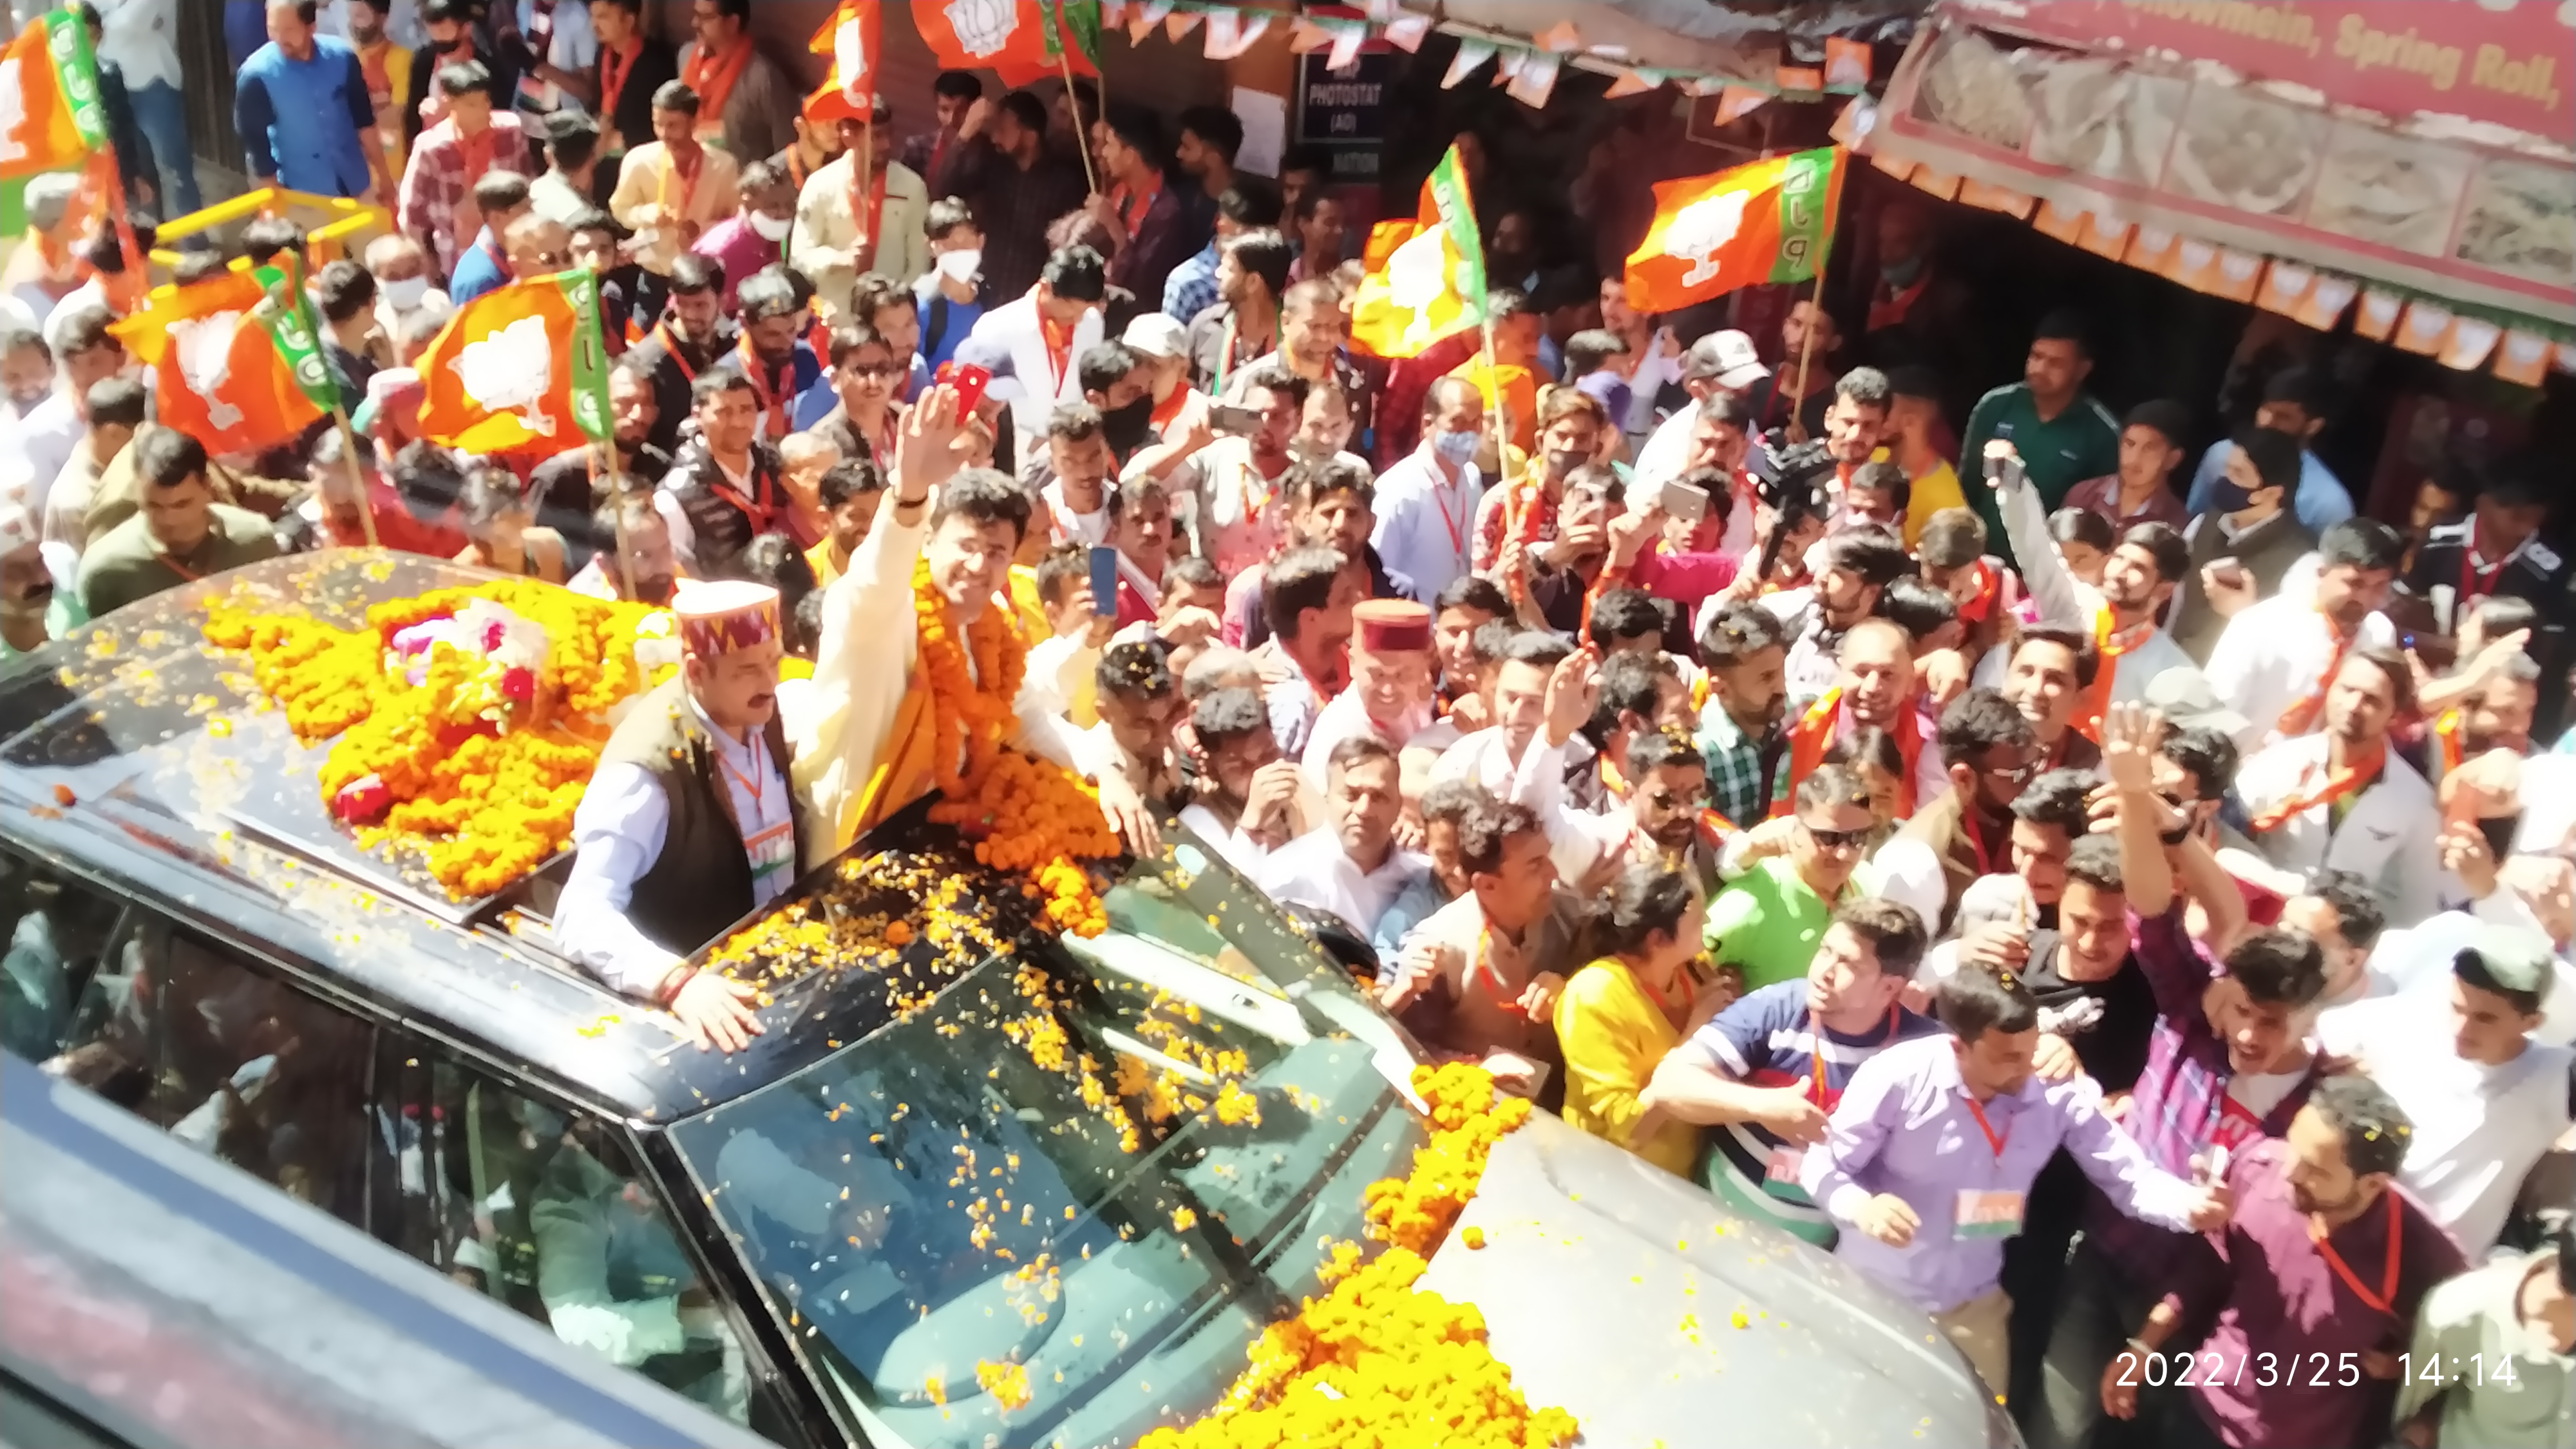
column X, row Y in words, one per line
column 1429, row 282
column 51, row 115
column 1014, row 38
column 1771, row 221
column 238, row 370
column 519, row 366
column 854, row 39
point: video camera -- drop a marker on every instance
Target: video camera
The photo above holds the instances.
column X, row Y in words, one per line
column 1795, row 492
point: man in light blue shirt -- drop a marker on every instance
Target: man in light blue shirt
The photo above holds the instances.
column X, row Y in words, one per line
column 302, row 108
column 2294, row 402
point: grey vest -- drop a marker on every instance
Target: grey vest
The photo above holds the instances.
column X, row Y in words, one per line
column 2267, row 550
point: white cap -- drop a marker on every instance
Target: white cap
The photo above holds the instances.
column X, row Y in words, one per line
column 1728, row 357
column 1156, row 335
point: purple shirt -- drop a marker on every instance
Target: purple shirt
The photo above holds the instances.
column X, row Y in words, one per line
column 1907, row 1126
column 2276, row 1299
column 733, row 245
column 2180, row 1106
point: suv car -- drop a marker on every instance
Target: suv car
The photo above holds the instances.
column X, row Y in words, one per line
column 904, row 1178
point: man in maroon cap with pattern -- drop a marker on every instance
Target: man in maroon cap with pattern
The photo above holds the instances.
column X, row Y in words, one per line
column 1392, row 682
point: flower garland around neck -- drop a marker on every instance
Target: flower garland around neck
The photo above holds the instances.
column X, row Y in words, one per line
column 1027, row 815
column 1377, row 1359
column 466, row 723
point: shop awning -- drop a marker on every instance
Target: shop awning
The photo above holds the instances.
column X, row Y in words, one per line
column 1745, row 44
column 2417, row 160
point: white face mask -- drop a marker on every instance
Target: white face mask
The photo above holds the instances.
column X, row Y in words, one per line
column 960, row 267
column 771, row 228
column 408, row 293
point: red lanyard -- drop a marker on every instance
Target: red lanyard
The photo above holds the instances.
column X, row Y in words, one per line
column 1816, row 1056
column 767, row 388
column 1133, row 204
column 1490, row 979
column 757, row 783
column 185, row 573
column 1457, row 528
column 1059, row 355
column 614, row 67
column 2477, row 582
column 671, row 349
column 2387, row 1293
column 1994, row 1139
column 760, row 514
column 1977, row 847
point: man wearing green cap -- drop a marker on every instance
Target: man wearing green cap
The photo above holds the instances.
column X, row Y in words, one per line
column 2486, row 1100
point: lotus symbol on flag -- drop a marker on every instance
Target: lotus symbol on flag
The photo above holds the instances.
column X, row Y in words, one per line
column 512, row 368
column 205, row 349
column 1700, row 234
column 1417, row 275
column 13, row 107
column 983, row 26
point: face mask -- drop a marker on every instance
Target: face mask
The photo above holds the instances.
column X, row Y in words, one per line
column 1130, row 427
column 408, row 293
column 1457, row 448
column 447, row 47
column 771, row 228
column 1901, row 275
column 1563, row 461
column 959, row 267
column 2226, row 497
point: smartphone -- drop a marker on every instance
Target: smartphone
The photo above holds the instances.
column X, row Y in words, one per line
column 970, row 382
column 1684, row 501
column 2227, row 571
column 1104, row 580
column 2004, row 470
column 1234, row 421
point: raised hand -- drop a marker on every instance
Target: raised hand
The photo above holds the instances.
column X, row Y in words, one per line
column 2129, row 736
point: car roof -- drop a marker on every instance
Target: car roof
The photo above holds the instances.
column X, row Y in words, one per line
column 137, row 754
column 266, row 1320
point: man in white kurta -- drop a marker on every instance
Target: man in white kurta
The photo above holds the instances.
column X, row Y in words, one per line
column 1389, row 697
column 830, row 235
column 1350, row 866
column 2272, row 662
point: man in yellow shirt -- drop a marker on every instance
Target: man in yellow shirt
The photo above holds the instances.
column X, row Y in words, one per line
column 850, row 493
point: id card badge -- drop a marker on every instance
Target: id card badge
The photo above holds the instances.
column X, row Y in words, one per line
column 1783, row 1165
column 1982, row 1214
column 771, row 851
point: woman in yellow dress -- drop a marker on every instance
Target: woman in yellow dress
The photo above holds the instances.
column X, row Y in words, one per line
column 1619, row 1015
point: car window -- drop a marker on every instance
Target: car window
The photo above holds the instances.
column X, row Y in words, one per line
column 184, row 1032
column 547, row 1210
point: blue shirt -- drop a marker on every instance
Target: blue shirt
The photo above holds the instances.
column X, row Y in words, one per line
column 300, row 119
column 479, row 271
column 1191, row 288
column 940, row 333
column 2321, row 501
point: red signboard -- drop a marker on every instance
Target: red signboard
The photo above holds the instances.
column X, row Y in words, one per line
column 2507, row 63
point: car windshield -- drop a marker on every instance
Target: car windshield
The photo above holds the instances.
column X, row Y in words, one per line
column 1055, row 1203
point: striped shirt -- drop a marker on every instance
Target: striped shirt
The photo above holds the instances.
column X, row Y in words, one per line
column 1769, row 1039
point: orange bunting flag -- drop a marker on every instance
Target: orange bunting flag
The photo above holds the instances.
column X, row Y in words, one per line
column 519, row 366
column 854, row 38
column 1426, row 277
column 51, row 115
column 1771, row 221
column 222, row 378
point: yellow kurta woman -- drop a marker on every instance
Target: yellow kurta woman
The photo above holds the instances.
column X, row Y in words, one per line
column 1620, row 1014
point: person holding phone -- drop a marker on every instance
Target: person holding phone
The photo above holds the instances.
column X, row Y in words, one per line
column 2244, row 544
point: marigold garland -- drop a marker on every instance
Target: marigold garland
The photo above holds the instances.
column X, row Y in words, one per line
column 1042, row 820
column 484, row 808
column 1377, row 1361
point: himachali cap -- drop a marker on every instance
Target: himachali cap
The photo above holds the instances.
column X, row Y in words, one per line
column 1391, row 626
column 1156, row 335
column 1728, row 357
column 718, row 616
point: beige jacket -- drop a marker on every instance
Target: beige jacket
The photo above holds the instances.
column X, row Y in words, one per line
column 639, row 194
column 827, row 233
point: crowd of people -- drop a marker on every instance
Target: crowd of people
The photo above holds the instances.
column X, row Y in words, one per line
column 1970, row 841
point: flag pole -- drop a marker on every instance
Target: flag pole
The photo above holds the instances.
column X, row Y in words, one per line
column 357, row 473
column 616, row 508
column 1073, row 99
column 1806, row 351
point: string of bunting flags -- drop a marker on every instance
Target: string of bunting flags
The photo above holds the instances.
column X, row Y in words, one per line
column 1526, row 68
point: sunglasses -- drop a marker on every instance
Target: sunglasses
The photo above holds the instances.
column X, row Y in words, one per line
column 2017, row 774
column 1835, row 839
column 2175, row 837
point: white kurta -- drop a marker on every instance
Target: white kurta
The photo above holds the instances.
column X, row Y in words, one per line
column 1240, row 850
column 2271, row 656
column 618, row 834
column 1312, row 870
column 862, row 670
column 1346, row 718
column 1486, row 758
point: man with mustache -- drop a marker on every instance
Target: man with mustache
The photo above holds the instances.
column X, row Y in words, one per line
column 34, row 609
column 689, row 825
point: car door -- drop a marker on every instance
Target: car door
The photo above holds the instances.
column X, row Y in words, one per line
column 548, row 1208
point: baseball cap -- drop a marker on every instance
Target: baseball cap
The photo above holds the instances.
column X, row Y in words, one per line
column 2515, row 958
column 2185, row 699
column 1156, row 335
column 1728, row 357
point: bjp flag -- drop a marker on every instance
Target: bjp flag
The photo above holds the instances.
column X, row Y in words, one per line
column 1014, row 38
column 238, row 370
column 854, row 38
column 1430, row 282
column 521, row 366
column 1771, row 221
column 51, row 115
